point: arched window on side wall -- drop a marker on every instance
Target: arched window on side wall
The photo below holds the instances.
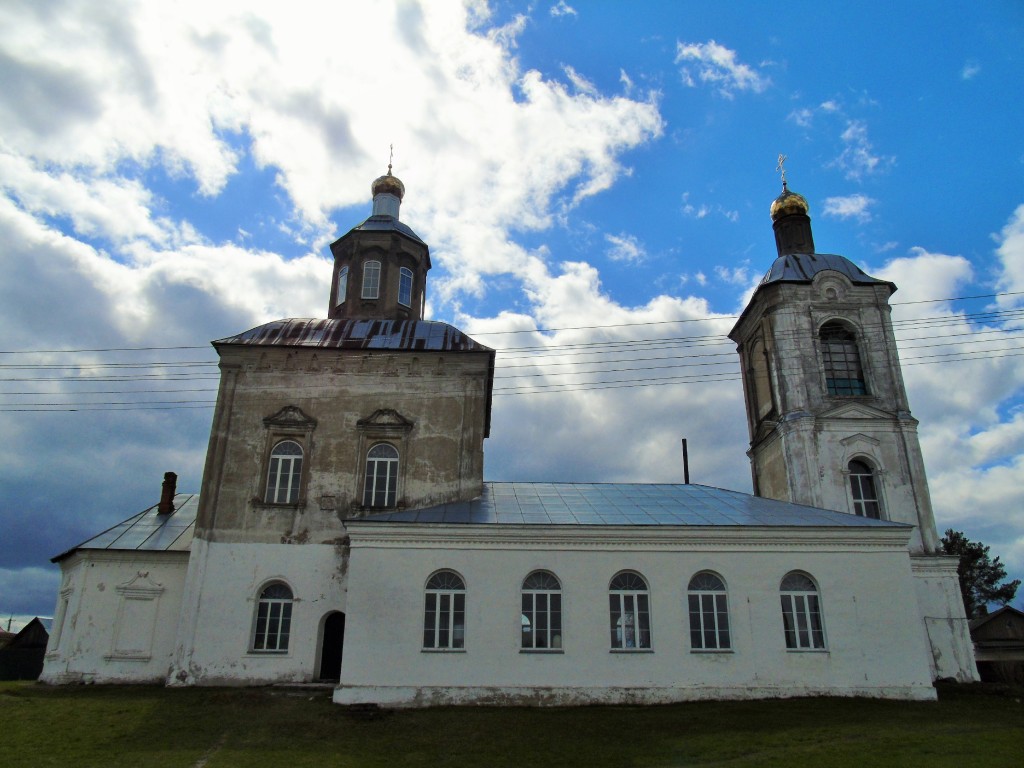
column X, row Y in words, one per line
column 709, row 613
column 371, row 280
column 541, row 619
column 381, row 487
column 629, row 612
column 284, row 476
column 273, row 619
column 864, row 490
column 405, row 286
column 801, row 613
column 844, row 374
column 342, row 285
column 444, row 613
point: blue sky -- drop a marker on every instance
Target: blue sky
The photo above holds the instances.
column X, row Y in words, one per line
column 172, row 175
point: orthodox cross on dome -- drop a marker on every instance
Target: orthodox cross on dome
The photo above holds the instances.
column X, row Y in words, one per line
column 781, row 168
column 391, row 157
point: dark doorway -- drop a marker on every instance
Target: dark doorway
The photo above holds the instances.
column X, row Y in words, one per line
column 330, row 648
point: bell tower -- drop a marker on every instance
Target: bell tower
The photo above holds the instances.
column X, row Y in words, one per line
column 827, row 410
column 380, row 266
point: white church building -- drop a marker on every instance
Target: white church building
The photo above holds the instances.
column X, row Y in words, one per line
column 343, row 531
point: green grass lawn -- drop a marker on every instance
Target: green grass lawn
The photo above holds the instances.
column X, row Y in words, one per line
column 81, row 726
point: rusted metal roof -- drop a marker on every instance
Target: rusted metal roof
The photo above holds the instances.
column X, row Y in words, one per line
column 802, row 267
column 148, row 530
column 400, row 335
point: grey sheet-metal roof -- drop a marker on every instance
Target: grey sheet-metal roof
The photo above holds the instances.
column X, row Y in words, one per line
column 399, row 335
column 802, row 267
column 384, row 223
column 148, row 530
column 624, row 504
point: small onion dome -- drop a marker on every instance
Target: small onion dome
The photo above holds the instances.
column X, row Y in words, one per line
column 388, row 185
column 788, row 203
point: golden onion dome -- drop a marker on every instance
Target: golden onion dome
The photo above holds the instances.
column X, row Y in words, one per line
column 388, row 184
column 788, row 203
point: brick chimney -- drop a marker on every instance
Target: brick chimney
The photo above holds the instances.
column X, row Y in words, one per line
column 167, row 492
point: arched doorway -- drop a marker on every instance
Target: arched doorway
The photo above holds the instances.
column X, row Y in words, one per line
column 331, row 644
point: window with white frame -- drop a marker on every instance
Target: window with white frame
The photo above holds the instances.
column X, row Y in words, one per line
column 841, row 358
column 629, row 612
column 342, row 285
column 405, row 286
column 444, row 613
column 285, row 473
column 371, row 279
column 801, row 613
column 709, row 613
column 541, row 619
column 862, row 487
column 381, row 486
column 273, row 619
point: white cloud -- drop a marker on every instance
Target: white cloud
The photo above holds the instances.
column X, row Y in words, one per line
column 851, row 206
column 561, row 8
column 802, row 117
column 625, row 248
column 858, row 157
column 963, row 385
column 717, row 65
column 1011, row 259
column 971, row 68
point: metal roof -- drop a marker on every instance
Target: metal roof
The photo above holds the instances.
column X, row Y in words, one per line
column 802, row 267
column 148, row 530
column 624, row 504
column 383, row 223
column 400, row 335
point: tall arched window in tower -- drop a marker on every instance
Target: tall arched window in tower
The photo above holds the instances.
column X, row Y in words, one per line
column 759, row 383
column 863, row 489
column 444, row 614
column 405, row 286
column 541, row 619
column 381, row 488
column 843, row 372
column 285, row 473
column 371, row 280
column 273, row 619
column 342, row 285
column 629, row 612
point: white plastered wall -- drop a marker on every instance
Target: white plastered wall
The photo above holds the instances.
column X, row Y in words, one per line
column 876, row 644
column 216, row 623
column 116, row 617
column 945, row 622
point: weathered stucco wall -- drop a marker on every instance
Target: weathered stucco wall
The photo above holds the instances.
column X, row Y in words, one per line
column 875, row 642
column 442, row 397
column 942, row 611
column 115, row 617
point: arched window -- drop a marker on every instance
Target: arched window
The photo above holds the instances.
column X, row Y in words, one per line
column 285, row 473
column 759, row 382
column 371, row 279
column 709, row 613
column 862, row 486
column 541, row 619
column 405, row 286
column 629, row 612
column 843, row 372
column 444, row 615
column 381, row 488
column 273, row 619
column 801, row 613
column 342, row 285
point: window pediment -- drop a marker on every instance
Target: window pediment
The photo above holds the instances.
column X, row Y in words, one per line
column 290, row 417
column 385, row 421
column 855, row 411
